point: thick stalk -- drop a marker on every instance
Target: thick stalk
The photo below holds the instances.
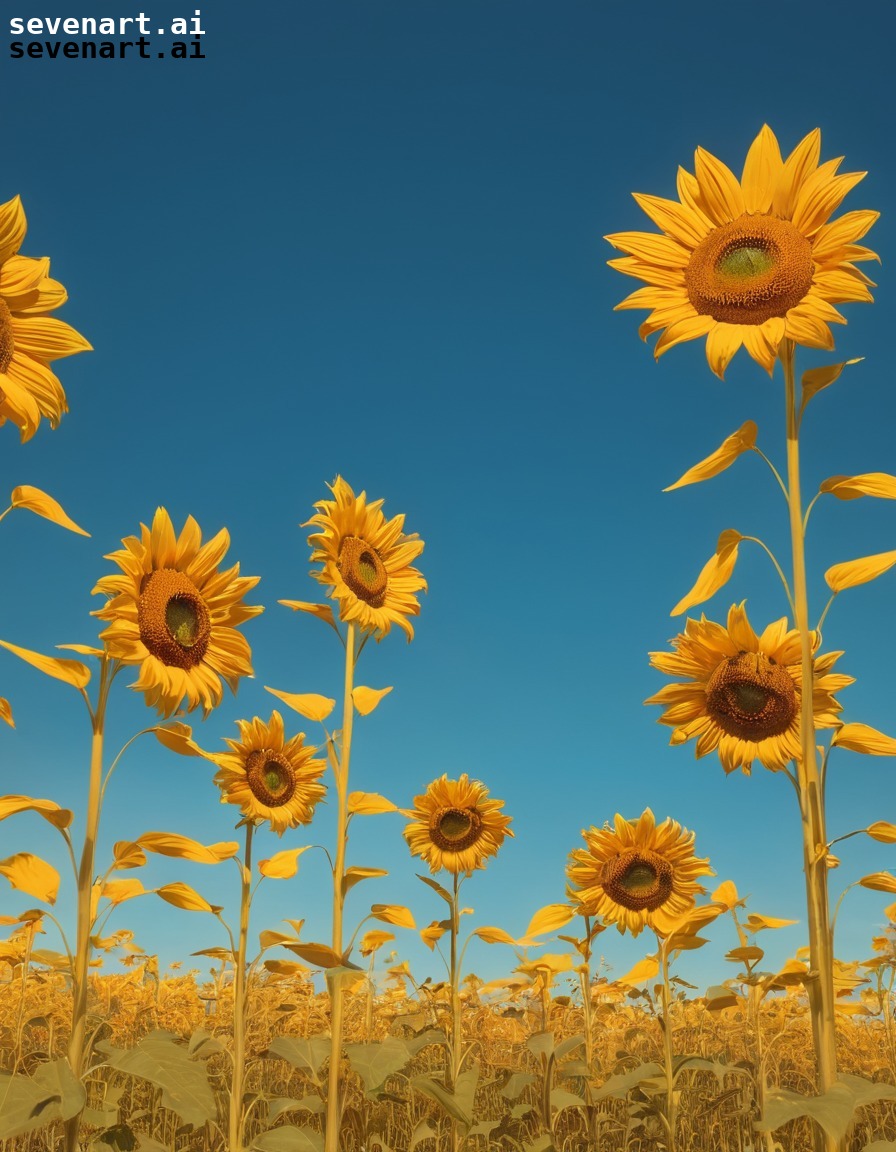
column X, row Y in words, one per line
column 334, row 1109
column 668, row 1054
column 81, row 958
column 453, row 979
column 820, row 985
column 239, row 1004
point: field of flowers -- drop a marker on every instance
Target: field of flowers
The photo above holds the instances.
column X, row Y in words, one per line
column 302, row 1045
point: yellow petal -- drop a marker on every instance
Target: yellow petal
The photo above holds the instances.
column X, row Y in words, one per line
column 307, row 704
column 12, row 227
column 183, row 896
column 738, row 442
column 32, row 498
column 369, row 804
column 862, row 738
column 762, row 171
column 366, row 699
column 321, row 611
column 30, row 874
column 651, row 248
column 719, row 187
column 71, row 671
column 801, row 162
column 853, row 572
column 716, row 572
column 6, row 712
column 171, row 844
column 675, row 219
column 878, row 484
column 393, row 914
column 49, row 809
column 691, row 328
column 282, row 865
column 722, row 342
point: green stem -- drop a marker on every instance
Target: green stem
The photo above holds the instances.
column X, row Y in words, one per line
column 454, row 980
column 820, row 986
column 239, row 1003
column 668, row 1054
column 340, row 772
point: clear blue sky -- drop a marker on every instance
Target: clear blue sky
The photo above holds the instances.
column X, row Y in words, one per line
column 367, row 239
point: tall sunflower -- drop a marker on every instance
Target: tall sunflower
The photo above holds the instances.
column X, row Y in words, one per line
column 270, row 777
column 743, row 692
column 455, row 826
column 29, row 337
column 366, row 561
column 637, row 875
column 749, row 262
column 172, row 612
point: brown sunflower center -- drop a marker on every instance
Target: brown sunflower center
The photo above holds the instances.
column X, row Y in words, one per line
column 751, row 697
column 750, row 270
column 453, row 829
column 271, row 777
column 637, row 879
column 173, row 618
column 363, row 571
column 7, row 346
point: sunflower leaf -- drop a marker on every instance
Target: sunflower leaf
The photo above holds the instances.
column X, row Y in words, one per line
column 32, row 875
column 59, row 817
column 851, row 573
column 645, row 969
column 307, row 704
column 494, row 935
column 369, row 804
column 183, row 896
column 724, row 456
column 817, row 378
column 43, row 505
column 883, row 831
column 366, row 699
column 393, row 914
column 549, row 918
column 716, row 572
column 282, row 865
column 355, row 875
column 159, row 1059
column 183, row 847
column 436, row 887
column 70, row 671
column 862, row 738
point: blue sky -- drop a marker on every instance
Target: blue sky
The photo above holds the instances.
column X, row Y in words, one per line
column 367, row 239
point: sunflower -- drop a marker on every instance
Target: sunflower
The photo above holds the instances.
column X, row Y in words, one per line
column 750, row 262
column 271, row 778
column 634, row 875
column 743, row 693
column 366, row 561
column 172, row 612
column 29, row 337
column 455, row 826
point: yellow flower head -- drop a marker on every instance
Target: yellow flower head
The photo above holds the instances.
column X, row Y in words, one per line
column 636, row 875
column 455, row 826
column 749, row 262
column 743, row 692
column 269, row 777
column 172, row 612
column 366, row 561
column 29, row 337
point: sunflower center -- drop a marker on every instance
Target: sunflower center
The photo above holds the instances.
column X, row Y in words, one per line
column 363, row 571
column 173, row 619
column 750, row 697
column 638, row 879
column 7, row 346
column 271, row 778
column 750, row 270
column 453, row 829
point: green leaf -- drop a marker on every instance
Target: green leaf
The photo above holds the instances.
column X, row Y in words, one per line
column 374, row 1063
column 307, row 1054
column 159, row 1059
column 459, row 1103
column 541, row 1043
column 28, row 1102
column 515, row 1085
column 619, row 1086
column 560, row 1098
column 289, row 1139
column 568, row 1045
column 832, row 1111
column 436, row 887
column 281, row 1104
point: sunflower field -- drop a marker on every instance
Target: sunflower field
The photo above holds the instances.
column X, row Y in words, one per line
column 330, row 914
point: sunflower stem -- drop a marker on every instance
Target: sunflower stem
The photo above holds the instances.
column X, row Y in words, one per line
column 235, row 1143
column 456, row 1037
column 668, row 1054
column 340, row 772
column 820, row 987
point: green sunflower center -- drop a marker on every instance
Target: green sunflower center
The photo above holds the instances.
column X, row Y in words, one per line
column 173, row 618
column 453, row 829
column 7, row 345
column 363, row 571
column 638, row 879
column 750, row 270
column 751, row 697
column 271, row 777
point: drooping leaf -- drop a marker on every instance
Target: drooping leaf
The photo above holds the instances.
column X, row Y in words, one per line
column 281, row 1104
column 756, row 923
column 459, row 1103
column 184, row 848
column 715, row 574
column 620, row 1086
column 862, row 738
column 724, row 456
column 878, row 484
column 374, row 1063
column 308, row 704
column 832, row 1110
column 39, row 502
column 355, row 875
column 492, row 935
column 49, row 809
column 550, row 918
column 366, row 699
column 373, row 940
column 117, row 891
column 393, row 914
column 29, row 1102
column 321, row 611
column 159, row 1059
column 645, row 969
column 851, row 573
column 289, row 1139
column 307, row 1054
column 817, row 378
column 128, row 855
column 879, row 882
column 882, row 831
column 436, row 887
column 70, row 671
column 319, row 955
column 178, row 738
column 369, row 804
column 183, row 896
column 30, row 874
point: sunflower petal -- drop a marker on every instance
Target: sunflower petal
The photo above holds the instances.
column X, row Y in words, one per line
column 762, row 171
column 719, row 187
